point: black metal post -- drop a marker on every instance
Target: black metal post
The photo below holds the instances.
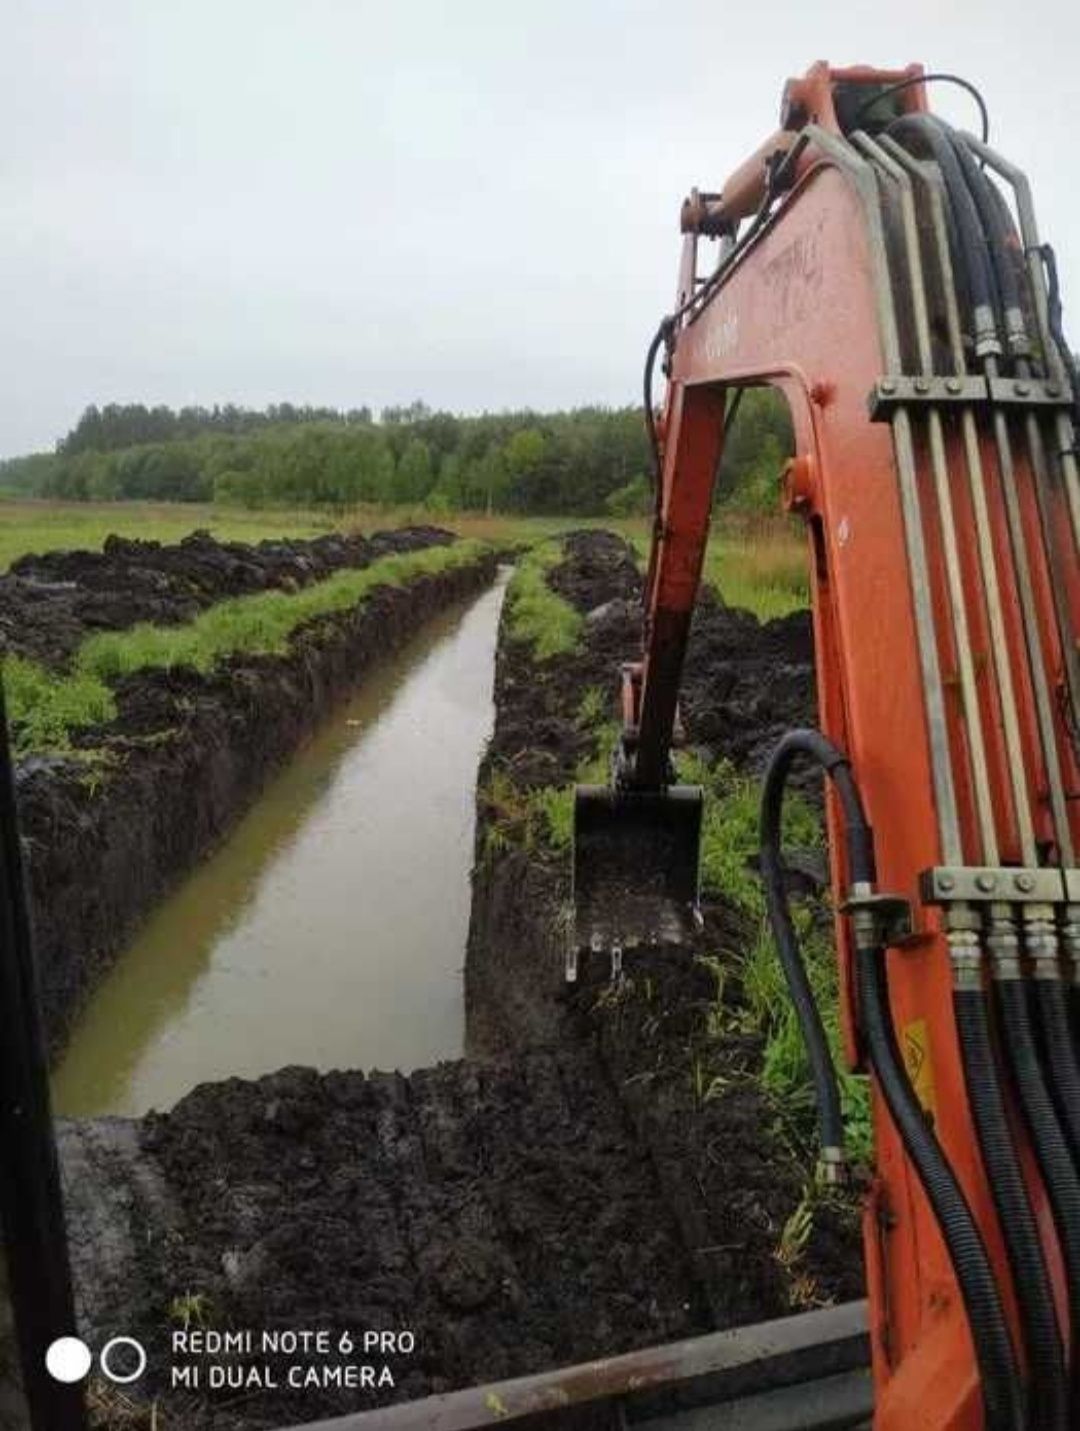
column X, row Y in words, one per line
column 31, row 1209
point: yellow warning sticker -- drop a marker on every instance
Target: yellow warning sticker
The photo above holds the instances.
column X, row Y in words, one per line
column 916, row 1044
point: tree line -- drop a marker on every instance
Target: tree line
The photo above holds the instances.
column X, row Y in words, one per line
column 588, row 461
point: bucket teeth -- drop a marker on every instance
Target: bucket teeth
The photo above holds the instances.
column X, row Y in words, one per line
column 635, row 869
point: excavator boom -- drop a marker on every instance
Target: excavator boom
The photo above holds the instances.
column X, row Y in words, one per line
column 883, row 272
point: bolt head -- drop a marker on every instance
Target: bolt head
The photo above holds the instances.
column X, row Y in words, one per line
column 922, row 385
column 1053, row 389
column 887, row 385
column 1022, row 389
column 946, row 882
column 1025, row 882
column 985, row 882
column 954, row 385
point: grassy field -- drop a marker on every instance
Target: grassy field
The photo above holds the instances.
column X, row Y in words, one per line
column 39, row 526
column 758, row 563
column 29, row 526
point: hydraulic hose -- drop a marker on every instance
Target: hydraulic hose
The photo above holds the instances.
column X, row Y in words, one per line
column 811, row 744
column 1002, row 1389
column 1048, row 1384
column 971, row 256
column 1060, row 1055
column 1003, row 246
column 1003, row 1395
column 991, row 219
column 1051, row 1149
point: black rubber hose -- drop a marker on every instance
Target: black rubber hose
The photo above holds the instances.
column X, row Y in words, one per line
column 1003, row 1394
column 1051, row 1150
column 859, row 842
column 822, row 1071
column 973, row 257
column 865, row 108
column 990, row 217
column 1060, row 1057
column 811, row 744
column 995, row 222
column 1048, row 1380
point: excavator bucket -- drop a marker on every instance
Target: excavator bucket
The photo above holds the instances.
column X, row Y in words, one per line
column 635, row 869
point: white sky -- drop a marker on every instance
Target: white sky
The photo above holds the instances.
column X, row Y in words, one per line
column 345, row 202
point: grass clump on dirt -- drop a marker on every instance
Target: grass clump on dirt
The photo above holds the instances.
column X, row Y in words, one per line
column 45, row 709
column 536, row 614
column 258, row 625
column 543, row 817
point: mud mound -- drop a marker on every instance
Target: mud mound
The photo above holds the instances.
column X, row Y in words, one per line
column 597, row 567
column 747, row 681
column 49, row 603
column 504, row 1214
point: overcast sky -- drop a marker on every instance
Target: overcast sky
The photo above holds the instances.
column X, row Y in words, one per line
column 343, row 202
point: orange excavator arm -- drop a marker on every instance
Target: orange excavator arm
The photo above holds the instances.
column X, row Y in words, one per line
column 884, row 273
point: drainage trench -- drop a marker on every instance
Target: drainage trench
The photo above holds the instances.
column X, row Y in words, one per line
column 329, row 928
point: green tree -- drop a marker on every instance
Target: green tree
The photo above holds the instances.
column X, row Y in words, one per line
column 414, row 476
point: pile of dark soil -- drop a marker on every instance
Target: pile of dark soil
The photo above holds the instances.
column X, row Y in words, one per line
column 502, row 1213
column 727, row 1168
column 49, row 603
column 597, row 567
column 747, row 681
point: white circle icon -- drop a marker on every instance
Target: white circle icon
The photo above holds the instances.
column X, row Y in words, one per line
column 67, row 1359
column 121, row 1378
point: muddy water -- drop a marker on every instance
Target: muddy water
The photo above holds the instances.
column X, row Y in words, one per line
column 330, row 928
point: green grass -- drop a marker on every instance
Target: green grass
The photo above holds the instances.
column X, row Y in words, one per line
column 766, row 576
column 760, row 564
column 259, row 624
column 45, row 709
column 536, row 614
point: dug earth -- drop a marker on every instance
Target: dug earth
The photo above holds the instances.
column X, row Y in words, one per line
column 563, row 1193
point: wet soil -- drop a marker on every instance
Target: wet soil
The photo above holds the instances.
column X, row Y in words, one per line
column 50, row 603
column 573, row 1189
column 730, row 1170
column 504, row 1213
column 105, row 840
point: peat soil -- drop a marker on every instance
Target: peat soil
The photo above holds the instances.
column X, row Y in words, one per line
column 730, row 1171
column 565, row 1193
column 502, row 1212
column 109, row 829
column 50, row 603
